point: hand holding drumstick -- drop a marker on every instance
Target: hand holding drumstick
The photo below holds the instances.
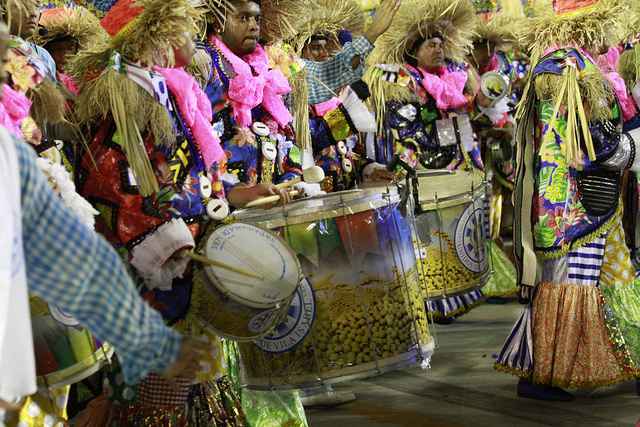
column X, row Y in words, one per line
column 243, row 195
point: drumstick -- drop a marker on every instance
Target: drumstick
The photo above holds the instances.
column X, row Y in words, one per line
column 268, row 199
column 311, row 175
column 210, row 261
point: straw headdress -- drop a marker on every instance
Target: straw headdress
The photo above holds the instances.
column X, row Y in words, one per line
column 596, row 24
column 70, row 22
column 629, row 62
column 328, row 17
column 453, row 20
column 590, row 25
column 140, row 31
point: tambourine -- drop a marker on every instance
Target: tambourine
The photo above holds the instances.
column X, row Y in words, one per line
column 494, row 85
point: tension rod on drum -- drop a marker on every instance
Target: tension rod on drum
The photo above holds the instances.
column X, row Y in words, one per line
column 439, row 220
column 364, row 303
column 396, row 230
column 412, row 208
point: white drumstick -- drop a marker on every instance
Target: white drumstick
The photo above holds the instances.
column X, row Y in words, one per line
column 210, row 261
column 311, row 175
column 268, row 199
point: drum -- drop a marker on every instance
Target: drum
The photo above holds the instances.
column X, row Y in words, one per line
column 241, row 307
column 360, row 311
column 451, row 233
column 65, row 352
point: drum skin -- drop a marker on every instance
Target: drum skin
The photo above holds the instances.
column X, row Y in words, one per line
column 360, row 312
column 240, row 307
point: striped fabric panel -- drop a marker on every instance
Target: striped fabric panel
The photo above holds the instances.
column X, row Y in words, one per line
column 585, row 263
column 517, row 351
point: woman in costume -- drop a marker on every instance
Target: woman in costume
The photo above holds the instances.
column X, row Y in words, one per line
column 568, row 238
column 154, row 171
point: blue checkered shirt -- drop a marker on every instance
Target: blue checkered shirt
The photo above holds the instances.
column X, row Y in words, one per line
column 337, row 72
column 70, row 266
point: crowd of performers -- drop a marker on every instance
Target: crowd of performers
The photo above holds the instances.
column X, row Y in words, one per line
column 152, row 120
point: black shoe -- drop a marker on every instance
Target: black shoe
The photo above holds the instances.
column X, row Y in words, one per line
column 638, row 387
column 496, row 300
column 542, row 392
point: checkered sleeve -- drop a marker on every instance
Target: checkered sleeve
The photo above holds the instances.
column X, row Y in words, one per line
column 73, row 268
column 337, row 72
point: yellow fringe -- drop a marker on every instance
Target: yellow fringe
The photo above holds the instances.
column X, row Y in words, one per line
column 513, row 371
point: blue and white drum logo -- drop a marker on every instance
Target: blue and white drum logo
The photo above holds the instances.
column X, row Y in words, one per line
column 298, row 324
column 470, row 242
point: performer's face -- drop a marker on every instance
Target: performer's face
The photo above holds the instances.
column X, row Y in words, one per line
column 22, row 18
column 61, row 50
column 316, row 50
column 184, row 54
column 430, row 54
column 242, row 28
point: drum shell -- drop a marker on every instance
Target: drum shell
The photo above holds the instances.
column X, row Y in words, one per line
column 223, row 309
column 355, row 249
column 64, row 354
column 452, row 228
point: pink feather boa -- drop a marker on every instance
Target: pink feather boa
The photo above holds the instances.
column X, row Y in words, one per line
column 14, row 108
column 248, row 90
column 196, row 111
column 446, row 87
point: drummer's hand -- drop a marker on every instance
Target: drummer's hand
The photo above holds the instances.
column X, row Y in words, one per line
column 483, row 100
column 241, row 195
column 9, row 406
column 382, row 174
column 188, row 361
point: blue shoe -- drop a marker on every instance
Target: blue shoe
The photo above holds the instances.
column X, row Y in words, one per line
column 638, row 387
column 542, row 392
column 496, row 300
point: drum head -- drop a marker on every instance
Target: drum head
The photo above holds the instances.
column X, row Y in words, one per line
column 449, row 188
column 259, row 251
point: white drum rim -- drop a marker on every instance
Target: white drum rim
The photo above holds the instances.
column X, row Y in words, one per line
column 474, row 193
column 355, row 201
column 78, row 371
column 349, row 373
column 226, row 292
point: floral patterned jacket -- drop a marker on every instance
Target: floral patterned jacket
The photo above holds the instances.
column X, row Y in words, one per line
column 565, row 213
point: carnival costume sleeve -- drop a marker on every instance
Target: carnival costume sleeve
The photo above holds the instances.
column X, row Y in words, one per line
column 337, row 72
column 73, row 268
